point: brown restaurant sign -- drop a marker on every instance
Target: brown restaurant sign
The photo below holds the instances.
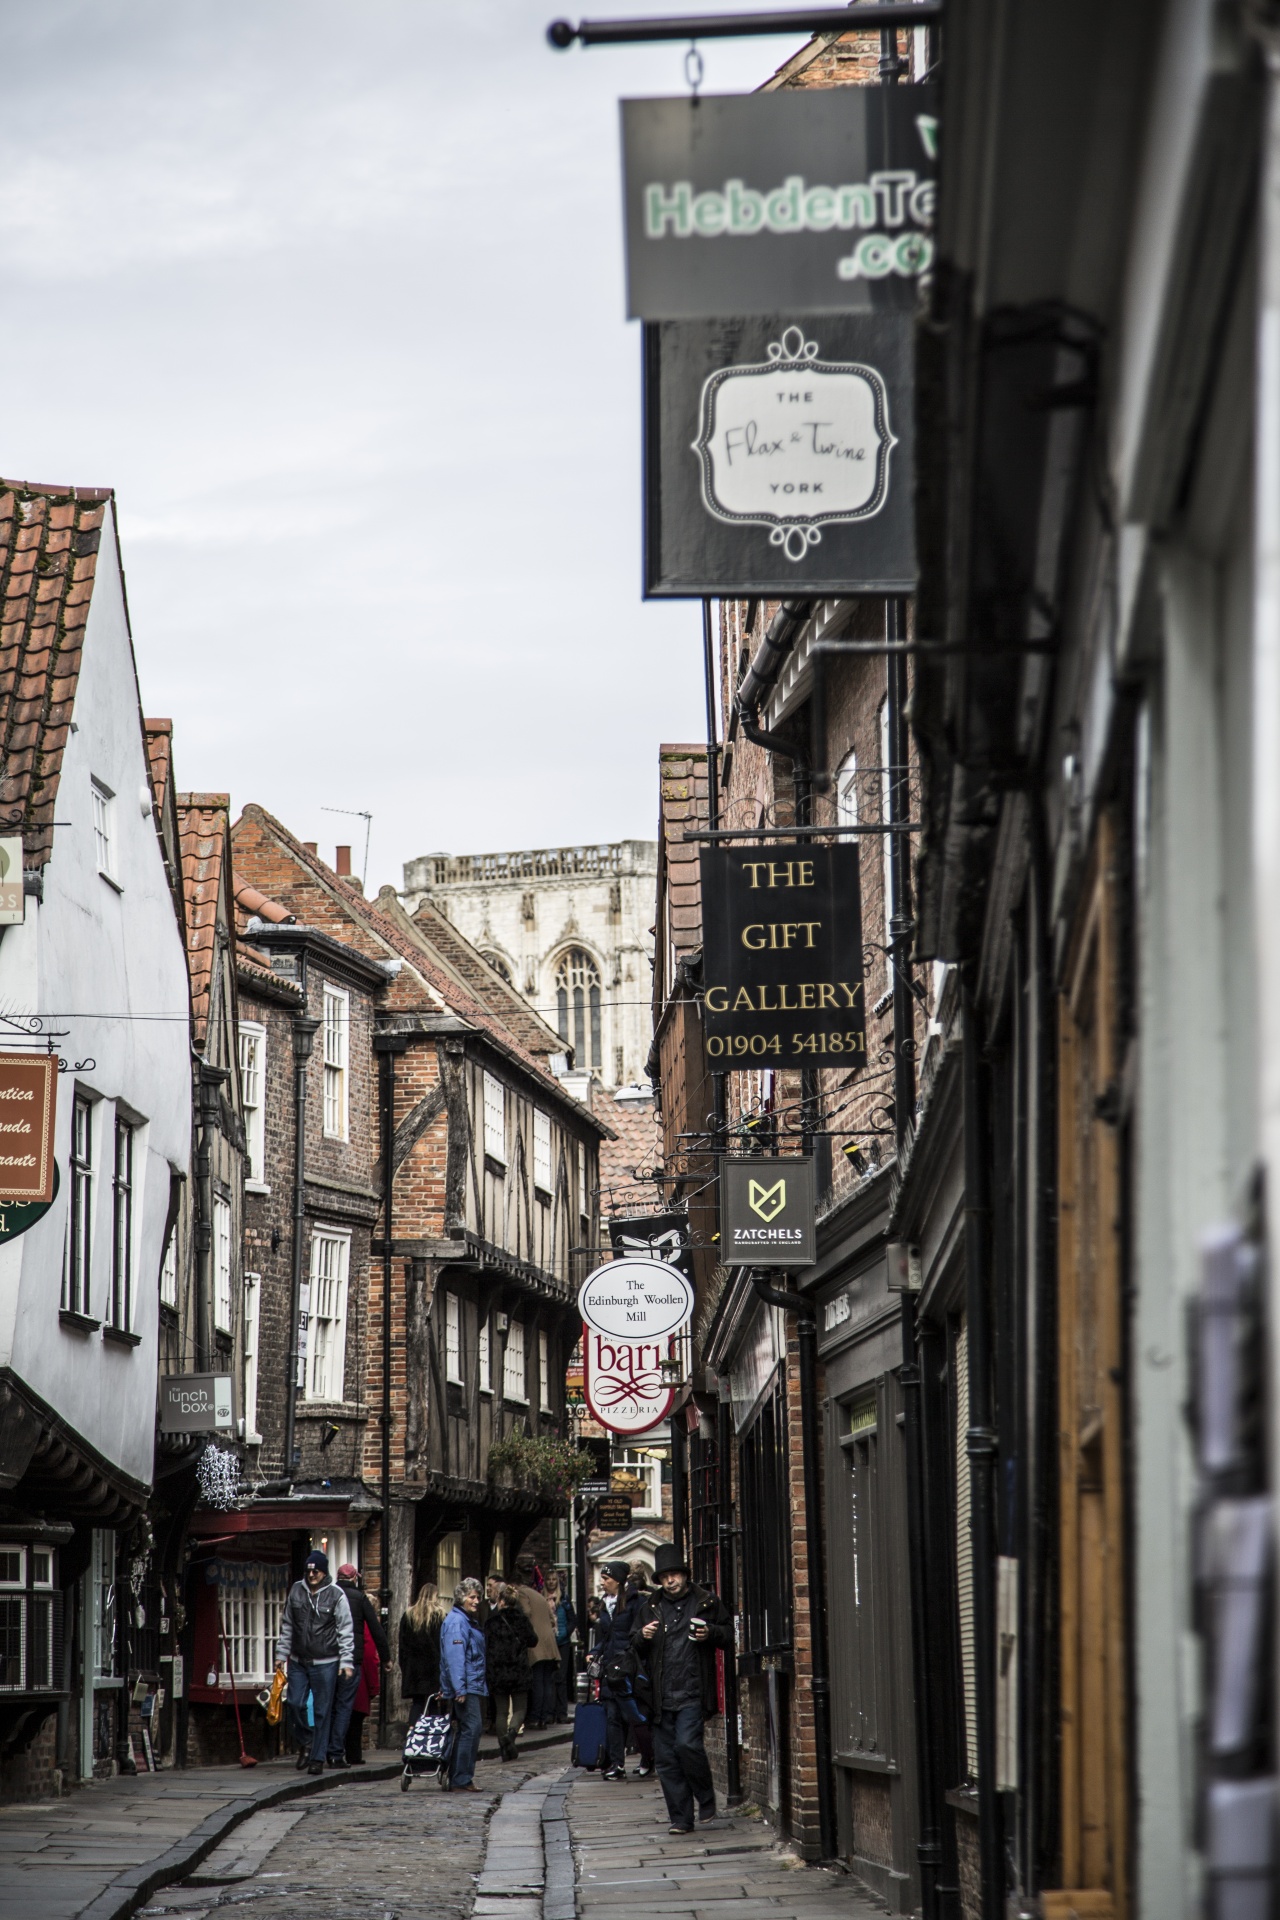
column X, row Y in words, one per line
column 28, row 1106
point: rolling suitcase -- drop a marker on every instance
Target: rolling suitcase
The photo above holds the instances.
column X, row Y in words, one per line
column 590, row 1736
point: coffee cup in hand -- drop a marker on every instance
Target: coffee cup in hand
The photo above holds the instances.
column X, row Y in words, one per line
column 694, row 1625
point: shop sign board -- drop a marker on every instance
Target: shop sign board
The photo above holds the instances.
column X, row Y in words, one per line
column 636, row 1300
column 196, row 1403
column 779, row 455
column 729, row 197
column 12, row 898
column 652, row 1236
column 624, row 1384
column 613, row 1513
column 768, row 1212
column 28, row 1109
column 782, row 956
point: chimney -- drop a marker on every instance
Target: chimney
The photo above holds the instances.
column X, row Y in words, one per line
column 311, row 846
column 342, row 863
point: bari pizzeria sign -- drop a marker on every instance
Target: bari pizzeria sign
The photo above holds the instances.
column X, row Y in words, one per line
column 782, row 956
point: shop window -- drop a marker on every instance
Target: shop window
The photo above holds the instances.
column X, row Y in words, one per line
column 27, row 1624
column 704, row 1511
column 866, row 1642
column 766, row 1527
column 448, row 1563
column 637, row 1463
column 250, row 1600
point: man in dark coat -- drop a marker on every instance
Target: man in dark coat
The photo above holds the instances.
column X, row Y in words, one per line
column 675, row 1634
column 316, row 1645
column 611, row 1649
column 364, row 1616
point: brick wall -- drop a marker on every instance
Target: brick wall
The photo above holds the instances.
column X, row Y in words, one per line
column 34, row 1775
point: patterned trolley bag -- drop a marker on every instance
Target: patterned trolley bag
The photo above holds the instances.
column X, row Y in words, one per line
column 429, row 1745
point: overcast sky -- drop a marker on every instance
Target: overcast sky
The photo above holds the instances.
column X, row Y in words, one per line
column 332, row 296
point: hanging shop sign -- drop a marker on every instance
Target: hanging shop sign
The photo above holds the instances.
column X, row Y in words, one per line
column 28, row 1109
column 12, row 899
column 625, row 1386
column 196, row 1403
column 782, row 956
column 651, row 1236
column 779, row 455
column 729, row 197
column 19, row 1216
column 768, row 1213
column 613, row 1513
column 635, row 1300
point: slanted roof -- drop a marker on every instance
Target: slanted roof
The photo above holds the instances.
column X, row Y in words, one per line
column 627, row 1162
column 325, row 902
column 203, row 822
column 159, row 738
column 682, row 806
column 49, row 539
column 455, row 951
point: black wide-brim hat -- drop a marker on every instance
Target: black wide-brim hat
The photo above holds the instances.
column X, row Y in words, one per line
column 669, row 1559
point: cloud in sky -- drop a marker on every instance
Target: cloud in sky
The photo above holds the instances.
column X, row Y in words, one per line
column 333, row 297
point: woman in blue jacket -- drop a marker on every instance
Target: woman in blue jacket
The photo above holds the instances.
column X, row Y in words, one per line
column 462, row 1680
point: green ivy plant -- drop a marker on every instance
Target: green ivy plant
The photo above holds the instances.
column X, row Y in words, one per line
column 540, row 1463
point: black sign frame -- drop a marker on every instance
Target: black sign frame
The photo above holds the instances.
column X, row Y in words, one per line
column 782, row 956
column 828, row 193
column 768, row 1212
column 779, row 456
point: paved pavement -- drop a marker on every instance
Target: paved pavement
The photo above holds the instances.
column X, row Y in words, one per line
column 101, row 1852
column 538, row 1841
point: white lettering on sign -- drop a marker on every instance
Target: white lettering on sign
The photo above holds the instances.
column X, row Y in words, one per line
column 635, row 1300
column 836, row 1312
column 794, row 442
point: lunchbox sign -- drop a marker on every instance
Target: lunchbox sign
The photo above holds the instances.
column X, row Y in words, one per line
column 636, row 1301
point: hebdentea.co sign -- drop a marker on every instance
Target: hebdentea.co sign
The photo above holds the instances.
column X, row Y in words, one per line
column 635, row 1300
column 732, row 199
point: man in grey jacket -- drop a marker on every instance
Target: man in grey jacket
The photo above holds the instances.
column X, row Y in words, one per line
column 317, row 1645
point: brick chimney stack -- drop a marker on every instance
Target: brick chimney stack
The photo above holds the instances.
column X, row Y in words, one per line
column 342, row 863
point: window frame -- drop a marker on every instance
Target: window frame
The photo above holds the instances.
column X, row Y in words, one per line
column 253, row 1075
column 578, row 983
column 78, row 1282
column 484, row 1354
column 104, row 830
column 494, row 1100
column 542, row 1153
column 251, row 1288
column 169, row 1271
column 336, row 1056
column 335, row 1349
column 453, row 1339
column 223, row 1268
column 513, row 1341
column 120, row 1305
column 644, row 1469
column 31, row 1597
column 544, row 1372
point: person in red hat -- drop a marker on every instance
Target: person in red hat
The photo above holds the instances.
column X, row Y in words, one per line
column 356, row 1693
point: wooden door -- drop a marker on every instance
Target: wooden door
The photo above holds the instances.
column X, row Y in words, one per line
column 1095, row 1813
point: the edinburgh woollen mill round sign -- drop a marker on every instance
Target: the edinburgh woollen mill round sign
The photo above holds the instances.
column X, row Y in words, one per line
column 635, row 1300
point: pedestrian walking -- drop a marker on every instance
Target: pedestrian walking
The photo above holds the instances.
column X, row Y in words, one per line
column 316, row 1648
column 509, row 1639
column 356, row 1693
column 638, row 1591
column 545, row 1658
column 462, row 1680
column 676, row 1633
column 612, row 1654
column 566, row 1627
column 418, row 1648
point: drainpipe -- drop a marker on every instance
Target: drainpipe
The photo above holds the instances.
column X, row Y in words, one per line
column 305, row 1026
column 982, row 1451
column 388, row 1045
column 811, row 1442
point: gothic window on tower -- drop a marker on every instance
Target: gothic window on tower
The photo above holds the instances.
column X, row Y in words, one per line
column 578, row 1006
